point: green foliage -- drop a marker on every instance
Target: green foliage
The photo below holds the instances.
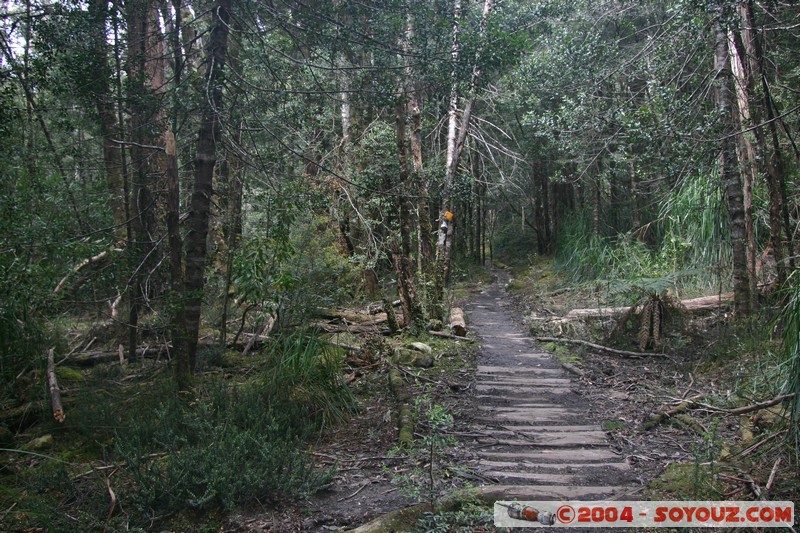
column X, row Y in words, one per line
column 512, row 244
column 427, row 451
column 689, row 246
column 291, row 272
column 789, row 320
column 472, row 516
column 24, row 336
column 229, row 445
column 305, row 375
column 696, row 233
column 583, row 256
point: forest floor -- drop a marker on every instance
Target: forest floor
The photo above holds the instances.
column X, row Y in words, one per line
column 657, row 427
column 697, row 452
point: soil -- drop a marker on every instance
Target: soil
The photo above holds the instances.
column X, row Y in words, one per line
column 610, row 392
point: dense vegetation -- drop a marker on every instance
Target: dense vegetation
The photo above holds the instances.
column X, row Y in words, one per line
column 192, row 177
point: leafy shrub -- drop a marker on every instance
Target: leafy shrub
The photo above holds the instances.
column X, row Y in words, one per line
column 691, row 234
column 584, row 256
column 229, row 446
column 291, row 275
column 24, row 336
column 238, row 443
column 790, row 322
column 306, row 374
column 696, row 232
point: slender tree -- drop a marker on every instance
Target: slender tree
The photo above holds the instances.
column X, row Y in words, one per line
column 729, row 172
column 208, row 139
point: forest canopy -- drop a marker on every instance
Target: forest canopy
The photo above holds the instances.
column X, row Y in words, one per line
column 195, row 174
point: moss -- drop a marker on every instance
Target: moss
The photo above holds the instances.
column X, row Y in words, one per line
column 612, row 425
column 64, row 373
column 397, row 385
column 685, row 481
column 562, row 353
column 406, row 426
column 408, row 519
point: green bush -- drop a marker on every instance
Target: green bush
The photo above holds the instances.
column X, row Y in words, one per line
column 234, row 444
column 689, row 241
column 306, row 374
column 226, row 447
column 290, row 275
column 24, row 336
column 789, row 320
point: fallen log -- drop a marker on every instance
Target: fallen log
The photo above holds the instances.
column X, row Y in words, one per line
column 457, row 324
column 449, row 336
column 352, row 328
column 55, row 392
column 703, row 303
column 346, row 316
column 614, row 351
column 658, row 418
column 117, row 247
column 88, row 359
column 263, row 332
column 747, row 408
column 694, row 404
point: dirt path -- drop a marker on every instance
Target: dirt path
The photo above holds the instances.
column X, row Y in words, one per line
column 532, row 431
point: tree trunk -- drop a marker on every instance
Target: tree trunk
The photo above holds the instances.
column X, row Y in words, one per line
column 753, row 74
column 636, row 211
column 233, row 230
column 728, row 165
column 456, row 137
column 146, row 63
column 401, row 255
column 424, row 250
column 445, row 213
column 773, row 157
column 177, row 323
column 747, row 161
column 109, row 128
column 200, row 207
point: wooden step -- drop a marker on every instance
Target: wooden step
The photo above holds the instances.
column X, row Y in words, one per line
column 551, row 492
column 550, row 467
column 557, row 428
column 516, row 369
column 560, row 455
column 566, row 440
column 530, row 478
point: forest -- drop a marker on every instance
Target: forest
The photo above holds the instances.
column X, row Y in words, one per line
column 238, row 239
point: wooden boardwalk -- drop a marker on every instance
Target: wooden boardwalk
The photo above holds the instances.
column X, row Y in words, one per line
column 532, row 433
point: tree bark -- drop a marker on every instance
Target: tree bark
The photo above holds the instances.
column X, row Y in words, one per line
column 177, row 323
column 456, row 137
column 752, row 70
column 728, row 164
column 109, row 128
column 401, row 254
column 55, row 392
column 445, row 231
column 424, row 249
column 200, row 207
column 747, row 161
column 146, row 75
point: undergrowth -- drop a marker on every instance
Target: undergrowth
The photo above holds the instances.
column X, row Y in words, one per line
column 165, row 454
column 689, row 235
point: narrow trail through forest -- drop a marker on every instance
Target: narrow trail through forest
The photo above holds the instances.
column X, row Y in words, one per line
column 532, row 432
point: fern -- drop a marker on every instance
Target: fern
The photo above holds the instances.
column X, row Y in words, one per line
column 646, row 327
column 790, row 320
